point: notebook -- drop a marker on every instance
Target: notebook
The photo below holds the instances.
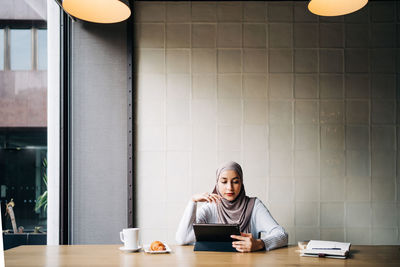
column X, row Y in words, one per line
column 328, row 249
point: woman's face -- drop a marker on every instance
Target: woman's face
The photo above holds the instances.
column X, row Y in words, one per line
column 229, row 184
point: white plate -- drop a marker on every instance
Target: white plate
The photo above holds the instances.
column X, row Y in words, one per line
column 130, row 249
column 148, row 250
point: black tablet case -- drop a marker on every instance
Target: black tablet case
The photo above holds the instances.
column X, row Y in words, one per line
column 215, row 237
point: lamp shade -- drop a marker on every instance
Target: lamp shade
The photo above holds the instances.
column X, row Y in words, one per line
column 335, row 7
column 99, row 11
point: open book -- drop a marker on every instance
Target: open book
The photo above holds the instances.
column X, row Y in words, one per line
column 328, row 249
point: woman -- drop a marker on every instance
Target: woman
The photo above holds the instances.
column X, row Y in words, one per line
column 229, row 204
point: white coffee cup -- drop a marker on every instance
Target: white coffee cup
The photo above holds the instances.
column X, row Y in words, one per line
column 130, row 237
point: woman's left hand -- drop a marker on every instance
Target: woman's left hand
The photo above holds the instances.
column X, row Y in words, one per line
column 246, row 243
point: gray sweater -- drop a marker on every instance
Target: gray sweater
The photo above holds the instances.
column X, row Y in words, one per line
column 263, row 226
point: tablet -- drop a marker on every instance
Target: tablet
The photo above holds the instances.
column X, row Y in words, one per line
column 215, row 232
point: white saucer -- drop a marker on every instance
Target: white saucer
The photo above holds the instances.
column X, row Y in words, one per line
column 130, row 249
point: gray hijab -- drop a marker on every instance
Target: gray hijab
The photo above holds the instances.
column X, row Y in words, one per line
column 239, row 210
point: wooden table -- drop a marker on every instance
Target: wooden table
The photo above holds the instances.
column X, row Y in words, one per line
column 182, row 256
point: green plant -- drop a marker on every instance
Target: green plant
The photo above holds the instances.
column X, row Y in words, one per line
column 42, row 199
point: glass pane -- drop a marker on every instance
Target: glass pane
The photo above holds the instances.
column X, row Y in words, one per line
column 21, row 49
column 42, row 49
column 1, row 49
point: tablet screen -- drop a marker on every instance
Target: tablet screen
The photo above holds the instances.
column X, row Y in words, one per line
column 215, row 232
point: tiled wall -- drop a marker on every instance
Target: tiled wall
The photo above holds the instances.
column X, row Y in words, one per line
column 307, row 105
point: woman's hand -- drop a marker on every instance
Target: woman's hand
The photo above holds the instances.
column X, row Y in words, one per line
column 206, row 197
column 247, row 243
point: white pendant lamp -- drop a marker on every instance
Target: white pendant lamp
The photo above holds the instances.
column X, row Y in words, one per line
column 99, row 11
column 335, row 7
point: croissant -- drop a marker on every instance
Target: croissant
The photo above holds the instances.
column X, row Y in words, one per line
column 157, row 246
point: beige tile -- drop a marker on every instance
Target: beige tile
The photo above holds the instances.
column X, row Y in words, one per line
column 383, row 35
column 331, row 34
column 151, row 61
column 204, row 61
column 357, row 85
column 331, row 86
column 358, row 188
column 280, row 60
column 204, row 165
column 229, row 61
column 151, row 86
column 229, row 86
column 254, row 86
column 178, row 11
column 150, row 112
column 333, row 234
column 332, row 188
column 203, row 111
column 331, row 60
column 383, row 12
column 306, row 163
column 332, row 163
column 307, row 233
column 280, row 35
column 254, row 11
column 256, row 187
column 383, row 163
column 383, row 137
column 306, row 137
column 383, row 86
column 282, row 211
column 280, row 162
column 229, row 35
column 204, row 35
column 255, row 112
column 178, row 111
column 356, row 60
column 229, row 111
column 255, row 138
column 280, row 11
column 357, row 112
column 384, row 236
column 254, row 60
column 224, row 156
column 150, row 12
column 254, row 35
column 358, row 214
column 150, row 139
column 306, row 61
column 151, row 164
column 384, row 215
column 302, row 14
column 149, row 35
column 306, row 111
column 178, row 35
column 383, row 112
column 178, row 86
column 204, row 12
column 229, row 138
column 307, row 214
column 357, row 137
column 357, row 35
column 179, row 138
column 331, row 112
column 383, row 189
column 307, row 188
column 178, row 164
column 204, row 137
column 204, row 86
column 332, row 214
column 358, row 235
column 358, row 163
column 305, row 35
column 229, row 11
column 280, row 112
column 281, row 86
column 178, row 61
column 306, row 86
column 281, row 189
column 383, row 60
column 280, row 136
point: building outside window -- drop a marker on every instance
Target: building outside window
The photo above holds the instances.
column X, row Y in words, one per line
column 23, row 121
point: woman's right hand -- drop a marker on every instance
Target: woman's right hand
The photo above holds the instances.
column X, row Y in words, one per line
column 206, row 197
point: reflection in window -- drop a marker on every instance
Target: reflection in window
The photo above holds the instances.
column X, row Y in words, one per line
column 21, row 49
column 42, row 49
column 1, row 49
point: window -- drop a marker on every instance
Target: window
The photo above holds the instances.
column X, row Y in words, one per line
column 42, row 49
column 2, row 49
column 21, row 49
